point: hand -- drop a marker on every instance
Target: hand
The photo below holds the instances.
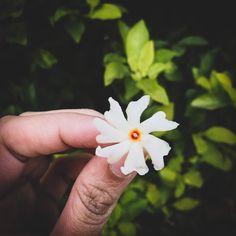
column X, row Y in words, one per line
column 32, row 185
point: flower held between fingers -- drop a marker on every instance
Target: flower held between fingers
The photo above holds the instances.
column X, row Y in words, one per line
column 132, row 137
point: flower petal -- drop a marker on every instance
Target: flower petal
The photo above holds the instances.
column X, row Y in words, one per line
column 157, row 122
column 156, row 148
column 135, row 161
column 114, row 152
column 108, row 134
column 135, row 110
column 115, row 115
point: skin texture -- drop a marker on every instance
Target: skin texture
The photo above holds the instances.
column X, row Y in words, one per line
column 32, row 185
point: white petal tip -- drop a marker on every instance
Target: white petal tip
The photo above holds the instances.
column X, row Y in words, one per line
column 146, row 98
column 158, row 167
column 140, row 171
column 177, row 124
column 99, row 152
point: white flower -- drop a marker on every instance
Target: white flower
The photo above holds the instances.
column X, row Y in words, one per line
column 132, row 137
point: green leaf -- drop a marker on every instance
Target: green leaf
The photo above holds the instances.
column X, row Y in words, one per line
column 106, row 11
column 186, row 204
column 227, row 85
column 169, row 110
column 221, row 135
column 44, row 59
column 93, row 3
column 179, row 189
column 199, row 143
column 128, row 196
column 62, row 12
column 127, row 229
column 135, row 208
column 215, row 158
column 137, row 37
column 146, row 58
column 116, row 215
column 156, row 91
column 156, row 69
column 75, row 29
column 114, row 70
column 193, row 178
column 168, row 175
column 192, row 41
column 130, row 89
column 165, row 55
column 175, row 163
column 124, row 30
column 113, row 57
column 153, row 194
column 209, row 102
column 207, row 62
column 203, row 82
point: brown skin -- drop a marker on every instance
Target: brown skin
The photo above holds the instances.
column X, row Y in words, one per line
column 32, row 185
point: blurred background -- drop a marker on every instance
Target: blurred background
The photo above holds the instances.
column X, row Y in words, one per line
column 75, row 54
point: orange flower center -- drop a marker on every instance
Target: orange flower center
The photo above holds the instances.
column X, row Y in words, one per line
column 135, row 135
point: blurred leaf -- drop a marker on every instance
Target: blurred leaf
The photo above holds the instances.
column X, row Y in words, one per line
column 93, row 3
column 172, row 73
column 116, row 215
column 127, row 229
column 179, row 189
column 165, row 55
column 17, row 34
column 168, row 175
column 186, row 204
column 138, row 184
column 196, row 72
column 146, row 57
column 200, row 143
column 215, row 158
column 128, row 196
column 62, row 12
column 44, row 59
column 159, row 44
column 113, row 57
column 124, row 30
column 106, row 11
column 203, row 82
column 153, row 194
column 156, row 69
column 175, row 163
column 130, row 89
column 12, row 8
column 227, row 85
column 220, row 134
column 75, row 29
column 207, row 62
column 193, row 178
column 135, row 208
column 209, row 102
column 137, row 37
column 192, row 41
column 114, row 70
column 169, row 110
column 156, row 91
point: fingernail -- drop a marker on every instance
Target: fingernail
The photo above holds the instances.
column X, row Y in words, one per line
column 115, row 169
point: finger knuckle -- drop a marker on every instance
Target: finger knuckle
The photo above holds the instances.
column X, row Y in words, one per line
column 6, row 125
column 96, row 199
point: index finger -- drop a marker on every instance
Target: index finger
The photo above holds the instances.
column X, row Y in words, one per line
column 24, row 137
column 43, row 134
